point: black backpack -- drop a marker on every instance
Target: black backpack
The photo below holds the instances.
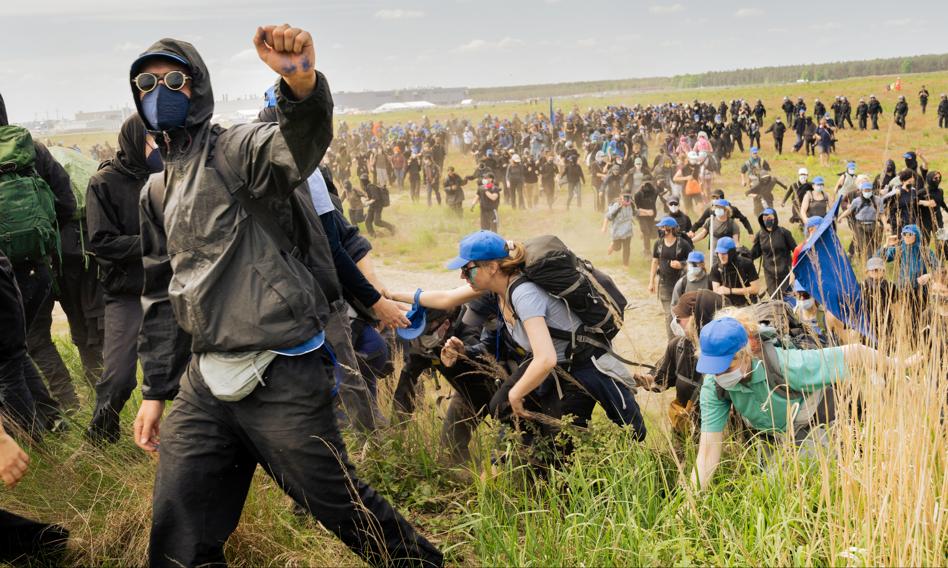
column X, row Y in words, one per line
column 588, row 293
column 385, row 199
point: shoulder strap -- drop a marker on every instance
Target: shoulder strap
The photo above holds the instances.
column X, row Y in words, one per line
column 254, row 207
column 774, row 371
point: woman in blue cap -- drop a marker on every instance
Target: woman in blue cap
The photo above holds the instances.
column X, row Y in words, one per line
column 696, row 277
column 775, row 391
column 866, row 211
column 669, row 256
column 816, row 202
column 490, row 264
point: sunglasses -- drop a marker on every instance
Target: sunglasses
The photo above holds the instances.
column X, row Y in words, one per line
column 174, row 80
column 469, row 271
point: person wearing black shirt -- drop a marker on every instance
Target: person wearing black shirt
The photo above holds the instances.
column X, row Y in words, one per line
column 734, row 277
column 774, row 245
column 874, row 110
column 376, row 203
column 645, row 203
column 669, row 257
column 674, row 211
column 453, row 192
column 923, row 98
column 778, row 128
column 862, row 114
column 901, row 111
column 943, row 112
column 787, row 108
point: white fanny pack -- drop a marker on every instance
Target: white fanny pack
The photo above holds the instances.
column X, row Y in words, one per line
column 233, row 376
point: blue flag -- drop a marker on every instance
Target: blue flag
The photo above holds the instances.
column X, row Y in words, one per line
column 552, row 116
column 822, row 267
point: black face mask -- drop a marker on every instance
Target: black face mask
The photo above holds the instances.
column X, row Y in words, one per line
column 769, row 223
column 154, row 162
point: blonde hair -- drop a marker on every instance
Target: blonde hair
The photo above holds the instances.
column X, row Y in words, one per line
column 516, row 259
column 747, row 317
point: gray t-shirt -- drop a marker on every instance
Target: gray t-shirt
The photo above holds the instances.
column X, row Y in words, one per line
column 531, row 301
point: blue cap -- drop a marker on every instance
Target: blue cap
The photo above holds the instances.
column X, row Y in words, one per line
column 668, row 222
column 721, row 203
column 695, row 256
column 753, row 149
column 312, row 344
column 418, row 316
column 818, row 180
column 814, row 221
column 865, row 185
column 482, row 245
column 270, row 97
column 721, row 339
column 797, row 287
column 768, row 211
column 908, row 155
column 851, row 165
column 725, row 245
column 158, row 55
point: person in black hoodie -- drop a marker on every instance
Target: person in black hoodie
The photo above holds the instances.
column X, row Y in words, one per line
column 774, row 245
column 252, row 282
column 115, row 243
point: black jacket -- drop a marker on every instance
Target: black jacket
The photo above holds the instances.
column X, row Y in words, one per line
column 735, row 214
column 112, row 213
column 775, row 249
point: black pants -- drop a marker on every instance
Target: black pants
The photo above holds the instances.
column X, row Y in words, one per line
column 875, row 121
column 515, row 191
column 490, row 220
column 433, row 188
column 862, row 122
column 403, row 399
column 210, row 449
column 25, row 541
column 847, row 118
column 375, row 218
column 24, row 398
column 123, row 320
column 47, row 357
column 943, row 121
column 414, row 188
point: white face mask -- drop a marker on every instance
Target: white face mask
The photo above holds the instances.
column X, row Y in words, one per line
column 719, row 213
column 676, row 328
column 867, row 194
column 817, row 189
column 852, row 171
column 694, row 272
column 673, row 208
column 729, row 379
column 807, row 304
column 802, row 179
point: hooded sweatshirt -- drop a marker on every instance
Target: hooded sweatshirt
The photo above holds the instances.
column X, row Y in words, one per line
column 232, row 287
column 112, row 212
column 775, row 249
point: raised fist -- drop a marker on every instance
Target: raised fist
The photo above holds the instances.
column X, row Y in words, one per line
column 290, row 52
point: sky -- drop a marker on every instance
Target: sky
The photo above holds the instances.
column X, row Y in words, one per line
column 64, row 56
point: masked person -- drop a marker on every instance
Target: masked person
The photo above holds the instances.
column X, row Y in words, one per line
column 720, row 225
column 539, row 324
column 735, row 213
column 816, row 202
column 797, row 191
column 914, row 261
column 378, row 200
column 574, row 181
column 778, row 129
column 774, row 245
column 763, row 382
column 696, row 277
column 669, row 257
column 646, row 203
column 874, row 109
column 943, row 111
column 673, row 205
column 865, row 211
column 807, row 311
column 902, row 201
column 676, row 368
column 115, row 244
column 454, row 192
column 259, row 372
column 488, row 197
column 878, row 298
column 619, row 217
column 733, row 276
column 900, row 112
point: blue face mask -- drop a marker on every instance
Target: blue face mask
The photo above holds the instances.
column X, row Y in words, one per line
column 154, row 162
column 165, row 109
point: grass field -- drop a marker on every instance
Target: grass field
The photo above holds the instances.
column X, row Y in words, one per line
column 877, row 498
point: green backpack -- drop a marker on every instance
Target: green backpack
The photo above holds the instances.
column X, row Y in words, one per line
column 28, row 229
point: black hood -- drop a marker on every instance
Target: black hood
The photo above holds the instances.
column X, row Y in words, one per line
column 890, row 167
column 760, row 220
column 202, row 98
column 130, row 158
column 3, row 113
column 930, row 180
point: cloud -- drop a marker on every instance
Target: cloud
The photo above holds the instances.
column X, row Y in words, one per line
column 666, row 8
column 671, row 43
column 586, row 42
column 748, row 13
column 244, row 56
column 128, row 46
column 399, row 14
column 900, row 22
column 825, row 26
column 480, row 45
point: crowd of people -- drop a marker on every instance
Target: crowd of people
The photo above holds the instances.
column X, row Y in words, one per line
column 230, row 265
